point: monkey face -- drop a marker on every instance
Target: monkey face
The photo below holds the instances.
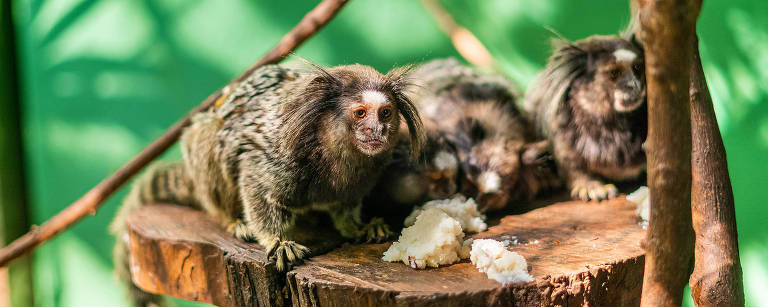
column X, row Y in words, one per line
column 619, row 80
column 490, row 170
column 625, row 72
column 375, row 121
column 440, row 175
column 609, row 75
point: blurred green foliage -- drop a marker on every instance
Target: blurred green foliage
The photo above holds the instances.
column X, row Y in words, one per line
column 102, row 79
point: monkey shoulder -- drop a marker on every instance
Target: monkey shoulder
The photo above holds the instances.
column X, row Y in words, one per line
column 260, row 92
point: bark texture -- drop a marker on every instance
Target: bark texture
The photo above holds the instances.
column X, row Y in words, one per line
column 578, row 254
column 717, row 276
column 666, row 30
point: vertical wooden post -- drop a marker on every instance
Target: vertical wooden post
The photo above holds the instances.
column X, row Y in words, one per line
column 14, row 219
column 717, row 276
column 666, row 30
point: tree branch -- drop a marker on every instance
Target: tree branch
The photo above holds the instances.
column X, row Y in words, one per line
column 716, row 278
column 463, row 40
column 666, row 30
column 93, row 199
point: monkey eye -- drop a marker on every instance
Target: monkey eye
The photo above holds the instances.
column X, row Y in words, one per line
column 637, row 69
column 385, row 113
column 359, row 113
column 615, row 73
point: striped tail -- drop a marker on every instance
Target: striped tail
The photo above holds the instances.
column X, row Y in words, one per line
column 163, row 182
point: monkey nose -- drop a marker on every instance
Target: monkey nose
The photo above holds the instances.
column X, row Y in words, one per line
column 489, row 182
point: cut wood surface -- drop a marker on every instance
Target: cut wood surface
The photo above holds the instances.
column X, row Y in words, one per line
column 577, row 252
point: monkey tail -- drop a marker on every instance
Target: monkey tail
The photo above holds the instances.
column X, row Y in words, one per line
column 163, row 182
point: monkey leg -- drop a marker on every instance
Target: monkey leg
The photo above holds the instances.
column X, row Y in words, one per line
column 583, row 185
column 376, row 231
column 586, row 187
column 267, row 221
column 348, row 222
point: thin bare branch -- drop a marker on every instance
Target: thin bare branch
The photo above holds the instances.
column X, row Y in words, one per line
column 717, row 276
column 93, row 199
column 463, row 40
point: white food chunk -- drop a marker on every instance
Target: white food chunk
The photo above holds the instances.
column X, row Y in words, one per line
column 641, row 197
column 434, row 239
column 462, row 209
column 493, row 258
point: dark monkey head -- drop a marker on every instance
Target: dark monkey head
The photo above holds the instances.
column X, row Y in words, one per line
column 609, row 75
column 600, row 77
column 353, row 108
column 489, row 141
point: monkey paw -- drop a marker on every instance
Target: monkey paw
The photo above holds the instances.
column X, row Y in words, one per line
column 241, row 231
column 593, row 190
column 286, row 254
column 376, row 231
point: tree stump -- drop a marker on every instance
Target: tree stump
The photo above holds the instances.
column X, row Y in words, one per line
column 578, row 253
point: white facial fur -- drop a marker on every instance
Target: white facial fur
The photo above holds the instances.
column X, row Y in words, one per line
column 375, row 100
column 618, row 101
column 374, row 97
column 624, row 55
column 489, row 182
column 444, row 161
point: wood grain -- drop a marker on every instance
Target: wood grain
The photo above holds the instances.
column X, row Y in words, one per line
column 578, row 253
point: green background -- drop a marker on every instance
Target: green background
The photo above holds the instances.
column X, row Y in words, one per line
column 102, row 79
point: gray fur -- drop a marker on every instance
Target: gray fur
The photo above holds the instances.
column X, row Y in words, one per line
column 283, row 144
column 476, row 113
column 575, row 104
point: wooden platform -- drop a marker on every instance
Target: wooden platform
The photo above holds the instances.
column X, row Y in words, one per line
column 577, row 252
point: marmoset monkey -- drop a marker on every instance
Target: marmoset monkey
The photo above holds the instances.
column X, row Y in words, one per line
column 499, row 157
column 590, row 103
column 284, row 143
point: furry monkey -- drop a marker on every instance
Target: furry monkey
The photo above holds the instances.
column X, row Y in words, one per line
column 499, row 156
column 590, row 103
column 286, row 143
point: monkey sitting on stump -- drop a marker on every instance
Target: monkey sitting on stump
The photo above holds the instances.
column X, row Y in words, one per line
column 500, row 159
column 284, row 143
column 590, row 103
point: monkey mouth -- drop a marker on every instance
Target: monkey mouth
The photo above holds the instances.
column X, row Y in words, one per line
column 625, row 106
column 626, row 101
column 492, row 201
column 370, row 146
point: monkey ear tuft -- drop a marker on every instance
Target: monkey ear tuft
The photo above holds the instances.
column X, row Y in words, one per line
column 323, row 75
column 561, row 45
column 398, row 79
column 398, row 82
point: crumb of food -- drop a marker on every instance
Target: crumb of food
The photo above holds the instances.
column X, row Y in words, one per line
column 434, row 239
column 641, row 197
column 466, row 247
column 493, row 258
column 460, row 208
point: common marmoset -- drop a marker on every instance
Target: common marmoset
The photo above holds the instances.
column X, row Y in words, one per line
column 499, row 157
column 590, row 103
column 284, row 143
